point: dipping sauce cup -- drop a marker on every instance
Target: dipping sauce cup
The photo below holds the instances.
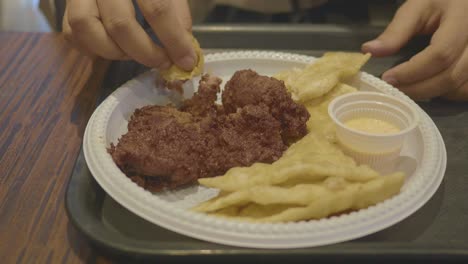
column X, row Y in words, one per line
column 371, row 127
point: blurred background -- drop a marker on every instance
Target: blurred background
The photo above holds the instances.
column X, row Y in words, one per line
column 45, row 15
column 26, row 15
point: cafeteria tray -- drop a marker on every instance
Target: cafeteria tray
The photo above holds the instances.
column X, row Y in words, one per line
column 434, row 234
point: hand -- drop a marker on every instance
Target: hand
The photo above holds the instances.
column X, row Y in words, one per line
column 441, row 68
column 108, row 28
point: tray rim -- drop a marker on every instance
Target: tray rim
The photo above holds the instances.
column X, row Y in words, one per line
column 367, row 250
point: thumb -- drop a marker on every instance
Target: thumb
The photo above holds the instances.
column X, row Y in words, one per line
column 404, row 25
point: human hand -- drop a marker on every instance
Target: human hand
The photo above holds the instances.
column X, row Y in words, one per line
column 441, row 68
column 108, row 28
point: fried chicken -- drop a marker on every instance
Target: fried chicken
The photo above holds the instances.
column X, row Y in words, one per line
column 203, row 102
column 246, row 87
column 167, row 147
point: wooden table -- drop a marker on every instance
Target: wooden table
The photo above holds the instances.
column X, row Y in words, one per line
column 47, row 93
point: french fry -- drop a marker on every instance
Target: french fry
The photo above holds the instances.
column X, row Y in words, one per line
column 310, row 159
column 322, row 202
column 323, row 75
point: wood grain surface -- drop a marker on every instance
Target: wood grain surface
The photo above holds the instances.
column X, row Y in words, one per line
column 47, row 93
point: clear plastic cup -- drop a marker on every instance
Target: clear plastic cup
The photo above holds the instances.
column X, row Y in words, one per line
column 378, row 150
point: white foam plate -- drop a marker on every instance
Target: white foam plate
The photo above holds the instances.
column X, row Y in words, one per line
column 424, row 149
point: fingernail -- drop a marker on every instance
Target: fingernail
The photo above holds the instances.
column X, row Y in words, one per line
column 373, row 44
column 390, row 79
column 187, row 63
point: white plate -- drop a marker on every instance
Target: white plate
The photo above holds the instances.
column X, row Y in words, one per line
column 170, row 209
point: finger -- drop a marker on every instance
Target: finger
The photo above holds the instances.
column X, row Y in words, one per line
column 433, row 87
column 446, row 46
column 460, row 79
column 66, row 29
column 405, row 24
column 68, row 36
column 118, row 17
column 164, row 19
column 459, row 73
column 88, row 31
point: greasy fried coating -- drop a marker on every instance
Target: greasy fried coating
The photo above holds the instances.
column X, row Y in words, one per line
column 150, row 149
column 167, row 147
column 246, row 87
column 203, row 101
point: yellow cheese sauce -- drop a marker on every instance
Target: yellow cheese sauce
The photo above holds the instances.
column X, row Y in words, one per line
column 372, row 125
